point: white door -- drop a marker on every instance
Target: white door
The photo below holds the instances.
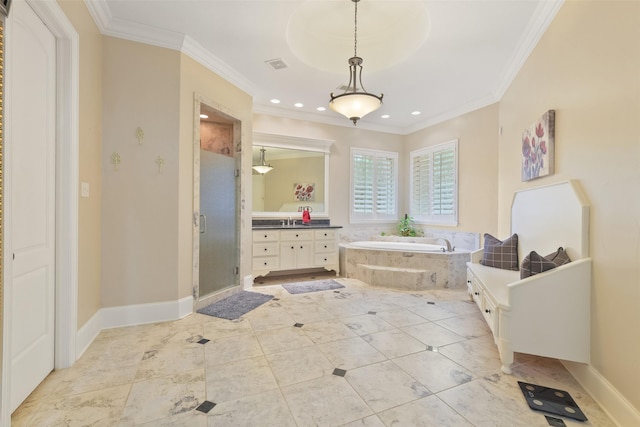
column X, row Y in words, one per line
column 31, row 151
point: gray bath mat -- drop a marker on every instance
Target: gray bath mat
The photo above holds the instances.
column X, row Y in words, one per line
column 236, row 305
column 313, row 286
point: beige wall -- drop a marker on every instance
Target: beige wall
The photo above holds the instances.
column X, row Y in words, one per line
column 196, row 80
column 477, row 135
column 141, row 88
column 135, row 229
column 587, row 68
column 90, row 128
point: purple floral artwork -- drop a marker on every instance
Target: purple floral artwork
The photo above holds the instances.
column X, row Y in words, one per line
column 537, row 147
column 304, row 192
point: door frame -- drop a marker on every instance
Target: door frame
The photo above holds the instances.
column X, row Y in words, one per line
column 198, row 300
column 67, row 181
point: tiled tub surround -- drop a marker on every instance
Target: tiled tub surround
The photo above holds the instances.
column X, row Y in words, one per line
column 459, row 239
column 360, row 356
column 401, row 269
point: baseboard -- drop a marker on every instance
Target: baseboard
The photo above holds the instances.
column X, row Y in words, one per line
column 185, row 307
column 616, row 406
column 247, row 282
column 140, row 314
column 87, row 333
column 130, row 315
column 217, row 296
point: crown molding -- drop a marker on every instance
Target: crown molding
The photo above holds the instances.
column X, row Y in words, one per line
column 538, row 24
column 452, row 114
column 397, row 130
column 195, row 51
column 100, row 13
column 110, row 26
column 327, row 118
column 145, row 34
column 295, row 142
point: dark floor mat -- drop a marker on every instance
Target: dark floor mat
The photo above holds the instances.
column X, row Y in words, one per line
column 236, row 305
column 312, row 286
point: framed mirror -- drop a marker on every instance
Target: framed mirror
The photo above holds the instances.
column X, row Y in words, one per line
column 298, row 178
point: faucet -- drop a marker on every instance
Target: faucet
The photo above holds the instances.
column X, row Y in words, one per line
column 446, row 243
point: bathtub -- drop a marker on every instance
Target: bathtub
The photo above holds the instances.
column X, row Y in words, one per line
column 398, row 246
column 405, row 265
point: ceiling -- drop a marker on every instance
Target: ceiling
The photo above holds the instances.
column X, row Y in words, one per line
column 440, row 58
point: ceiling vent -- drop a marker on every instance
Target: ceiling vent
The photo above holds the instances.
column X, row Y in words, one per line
column 276, row 64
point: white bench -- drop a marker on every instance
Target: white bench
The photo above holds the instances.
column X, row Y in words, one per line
column 547, row 314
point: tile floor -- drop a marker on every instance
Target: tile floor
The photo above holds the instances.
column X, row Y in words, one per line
column 363, row 356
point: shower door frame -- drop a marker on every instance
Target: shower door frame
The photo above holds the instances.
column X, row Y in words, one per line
column 201, row 301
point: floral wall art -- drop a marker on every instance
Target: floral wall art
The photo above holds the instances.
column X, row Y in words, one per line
column 537, row 147
column 304, row 192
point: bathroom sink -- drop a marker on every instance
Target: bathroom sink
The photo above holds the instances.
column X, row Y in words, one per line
column 294, row 227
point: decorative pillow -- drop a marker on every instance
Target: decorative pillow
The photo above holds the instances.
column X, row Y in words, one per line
column 500, row 254
column 534, row 263
column 559, row 257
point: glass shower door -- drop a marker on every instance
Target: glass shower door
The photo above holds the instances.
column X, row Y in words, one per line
column 218, row 217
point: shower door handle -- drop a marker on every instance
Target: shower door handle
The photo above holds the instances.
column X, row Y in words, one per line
column 203, row 224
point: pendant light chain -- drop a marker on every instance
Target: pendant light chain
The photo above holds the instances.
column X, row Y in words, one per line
column 355, row 31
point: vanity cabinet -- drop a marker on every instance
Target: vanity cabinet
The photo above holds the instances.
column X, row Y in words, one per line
column 266, row 250
column 326, row 249
column 292, row 249
column 296, row 249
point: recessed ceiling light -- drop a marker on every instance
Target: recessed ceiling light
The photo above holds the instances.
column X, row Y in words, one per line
column 204, row 116
column 299, row 104
column 275, row 101
column 321, row 109
column 385, row 116
column 415, row 113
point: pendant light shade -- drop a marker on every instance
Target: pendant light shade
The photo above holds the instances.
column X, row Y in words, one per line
column 262, row 167
column 354, row 104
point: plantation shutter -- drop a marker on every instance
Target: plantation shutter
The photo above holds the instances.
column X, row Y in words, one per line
column 374, row 178
column 385, row 186
column 421, row 185
column 434, row 184
column 363, row 168
column 443, row 199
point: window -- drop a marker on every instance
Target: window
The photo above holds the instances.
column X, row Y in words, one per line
column 434, row 184
column 374, row 185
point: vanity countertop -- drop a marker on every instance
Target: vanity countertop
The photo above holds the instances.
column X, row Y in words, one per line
column 276, row 224
column 294, row 227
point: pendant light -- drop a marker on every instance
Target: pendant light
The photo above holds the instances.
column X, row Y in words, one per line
column 352, row 104
column 262, row 167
